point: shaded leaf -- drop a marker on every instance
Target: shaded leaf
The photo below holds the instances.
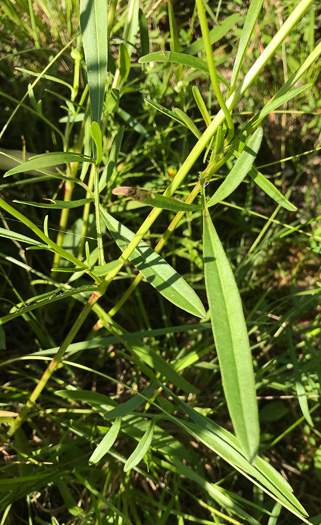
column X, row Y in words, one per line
column 57, row 205
column 215, row 35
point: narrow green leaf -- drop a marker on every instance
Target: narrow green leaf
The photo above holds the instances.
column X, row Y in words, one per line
column 69, row 501
column 250, row 20
column 174, row 43
column 143, row 29
column 167, row 370
column 132, row 26
column 48, row 159
column 180, row 58
column 141, row 449
column 188, row 122
column 124, row 62
column 300, row 390
column 57, row 205
column 132, row 404
column 155, row 200
column 239, row 170
column 132, row 122
column 201, row 105
column 9, row 234
column 269, row 188
column 110, row 169
column 275, row 103
column 231, row 340
column 106, row 443
column 103, row 269
column 156, row 270
column 215, row 35
column 93, row 23
column 227, row 446
column 165, row 111
column 88, row 396
column 95, row 133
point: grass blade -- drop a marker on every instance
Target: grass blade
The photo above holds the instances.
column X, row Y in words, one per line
column 57, row 205
column 141, row 448
column 93, row 23
column 231, row 339
column 239, row 170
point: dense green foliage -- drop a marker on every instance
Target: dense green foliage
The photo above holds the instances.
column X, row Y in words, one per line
column 160, row 356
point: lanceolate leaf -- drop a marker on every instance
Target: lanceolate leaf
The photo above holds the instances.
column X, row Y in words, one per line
column 227, row 446
column 106, row 443
column 156, row 270
column 215, row 35
column 93, row 23
column 239, row 170
column 48, row 159
column 231, row 340
column 269, row 188
column 57, row 205
column 182, row 59
column 251, row 17
column 141, row 449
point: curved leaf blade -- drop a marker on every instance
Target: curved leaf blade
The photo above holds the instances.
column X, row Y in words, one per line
column 141, row 449
column 181, row 59
column 106, row 443
column 215, row 35
column 269, row 188
column 93, row 23
column 156, row 270
column 47, row 160
column 231, row 340
column 251, row 17
column 239, row 170
column 57, row 205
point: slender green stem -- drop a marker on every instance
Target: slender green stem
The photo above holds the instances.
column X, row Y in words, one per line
column 212, row 70
column 98, row 218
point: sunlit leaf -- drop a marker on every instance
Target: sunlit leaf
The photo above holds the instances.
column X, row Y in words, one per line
column 231, row 339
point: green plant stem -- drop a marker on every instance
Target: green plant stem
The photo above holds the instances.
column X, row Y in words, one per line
column 55, row 362
column 212, row 70
column 100, row 245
